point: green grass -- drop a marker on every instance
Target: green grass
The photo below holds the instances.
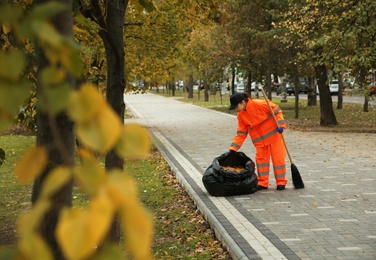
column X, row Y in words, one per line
column 15, row 198
column 181, row 231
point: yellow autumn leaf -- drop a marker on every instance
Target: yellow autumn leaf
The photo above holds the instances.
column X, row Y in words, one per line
column 57, row 97
column 90, row 175
column 72, row 236
column 32, row 246
column 55, row 180
column 52, row 75
column 101, row 212
column 80, row 231
column 12, row 96
column 136, row 5
column 109, row 252
column 120, row 187
column 85, row 154
column 102, row 132
column 85, row 103
column 138, row 229
column 134, row 142
column 47, row 33
column 77, row 29
column 52, row 54
column 29, row 222
column 6, row 29
column 11, row 65
column 31, row 164
column 70, row 58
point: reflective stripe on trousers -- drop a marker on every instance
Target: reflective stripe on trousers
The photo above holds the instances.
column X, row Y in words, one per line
column 276, row 150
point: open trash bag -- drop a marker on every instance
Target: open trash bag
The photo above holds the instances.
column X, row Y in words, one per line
column 230, row 174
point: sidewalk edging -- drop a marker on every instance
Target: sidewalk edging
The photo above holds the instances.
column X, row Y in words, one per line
column 221, row 234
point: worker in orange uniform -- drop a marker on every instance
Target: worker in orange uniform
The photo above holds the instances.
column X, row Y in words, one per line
column 254, row 118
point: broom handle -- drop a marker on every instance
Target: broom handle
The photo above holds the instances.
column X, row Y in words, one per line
column 276, row 121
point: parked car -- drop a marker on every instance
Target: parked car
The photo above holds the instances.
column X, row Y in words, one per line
column 333, row 87
column 255, row 86
column 290, row 89
column 240, row 87
column 303, row 87
column 276, row 88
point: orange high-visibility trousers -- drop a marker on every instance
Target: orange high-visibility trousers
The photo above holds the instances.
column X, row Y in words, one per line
column 277, row 151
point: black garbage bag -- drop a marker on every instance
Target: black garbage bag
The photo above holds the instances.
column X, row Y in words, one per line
column 221, row 182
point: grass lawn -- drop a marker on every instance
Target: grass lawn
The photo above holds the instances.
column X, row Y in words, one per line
column 181, row 232
column 14, row 198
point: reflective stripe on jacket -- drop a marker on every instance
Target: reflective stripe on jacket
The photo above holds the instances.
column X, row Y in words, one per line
column 259, row 123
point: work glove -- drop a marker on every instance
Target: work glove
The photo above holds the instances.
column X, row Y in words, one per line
column 230, row 152
column 280, row 129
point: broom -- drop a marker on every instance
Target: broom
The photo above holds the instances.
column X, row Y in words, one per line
column 296, row 178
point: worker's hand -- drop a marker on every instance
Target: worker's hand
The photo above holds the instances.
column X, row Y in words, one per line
column 280, row 129
column 230, row 152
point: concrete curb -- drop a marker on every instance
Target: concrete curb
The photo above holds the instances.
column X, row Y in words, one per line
column 222, row 235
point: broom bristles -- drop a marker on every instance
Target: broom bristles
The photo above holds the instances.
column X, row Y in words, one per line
column 296, row 178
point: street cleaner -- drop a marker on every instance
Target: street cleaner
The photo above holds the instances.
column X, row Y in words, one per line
column 255, row 119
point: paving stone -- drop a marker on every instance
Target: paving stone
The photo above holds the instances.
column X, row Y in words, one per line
column 333, row 217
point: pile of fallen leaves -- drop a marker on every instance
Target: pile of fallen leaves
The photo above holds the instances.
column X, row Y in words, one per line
column 237, row 169
column 207, row 242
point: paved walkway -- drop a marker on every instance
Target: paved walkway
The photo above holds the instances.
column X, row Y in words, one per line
column 334, row 217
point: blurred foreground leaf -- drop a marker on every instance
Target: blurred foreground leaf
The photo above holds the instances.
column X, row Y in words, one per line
column 31, row 164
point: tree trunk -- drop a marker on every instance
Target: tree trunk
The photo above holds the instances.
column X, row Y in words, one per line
column 297, row 88
column 340, row 91
column 362, row 81
column 249, row 83
column 366, row 102
column 327, row 116
column 206, row 91
column 190, row 86
column 113, row 39
column 57, row 135
column 115, row 67
column 311, row 95
column 268, row 76
column 173, row 86
column 233, row 81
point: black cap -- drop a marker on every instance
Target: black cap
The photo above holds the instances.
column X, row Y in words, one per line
column 235, row 99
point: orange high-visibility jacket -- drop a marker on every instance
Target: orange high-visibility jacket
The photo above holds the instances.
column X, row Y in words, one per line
column 257, row 120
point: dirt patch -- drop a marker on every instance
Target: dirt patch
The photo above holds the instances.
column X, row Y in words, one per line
column 8, row 234
column 19, row 130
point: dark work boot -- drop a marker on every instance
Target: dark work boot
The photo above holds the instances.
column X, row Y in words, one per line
column 261, row 187
column 280, row 187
